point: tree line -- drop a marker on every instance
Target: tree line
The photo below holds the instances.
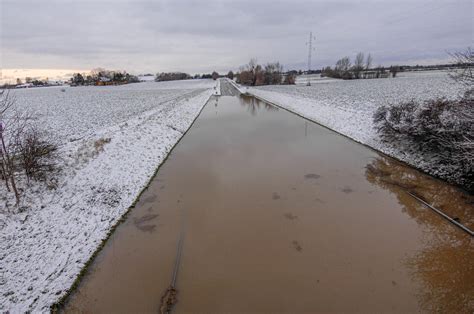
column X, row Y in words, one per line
column 102, row 76
column 360, row 69
column 254, row 74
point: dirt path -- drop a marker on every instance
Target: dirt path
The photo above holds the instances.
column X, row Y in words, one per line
column 282, row 215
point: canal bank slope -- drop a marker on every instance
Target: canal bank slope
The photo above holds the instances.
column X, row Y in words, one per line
column 42, row 251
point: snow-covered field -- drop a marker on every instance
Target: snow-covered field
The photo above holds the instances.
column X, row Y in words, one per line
column 348, row 106
column 111, row 140
column 314, row 79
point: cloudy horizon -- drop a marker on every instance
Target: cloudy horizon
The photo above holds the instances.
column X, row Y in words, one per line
column 196, row 36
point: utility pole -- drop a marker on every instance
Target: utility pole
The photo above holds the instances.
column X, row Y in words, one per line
column 310, row 50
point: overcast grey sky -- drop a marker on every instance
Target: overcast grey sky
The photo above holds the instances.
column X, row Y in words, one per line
column 201, row 36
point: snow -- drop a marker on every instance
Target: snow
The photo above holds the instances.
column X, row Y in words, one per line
column 314, row 79
column 111, row 140
column 146, row 78
column 347, row 106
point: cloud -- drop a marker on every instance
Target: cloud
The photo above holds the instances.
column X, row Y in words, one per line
column 200, row 36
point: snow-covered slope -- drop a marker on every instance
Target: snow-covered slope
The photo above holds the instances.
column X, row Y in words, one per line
column 111, row 141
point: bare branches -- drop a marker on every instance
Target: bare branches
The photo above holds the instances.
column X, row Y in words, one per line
column 368, row 62
column 464, row 61
column 7, row 161
column 253, row 74
column 23, row 149
column 439, row 130
column 358, row 64
column 6, row 102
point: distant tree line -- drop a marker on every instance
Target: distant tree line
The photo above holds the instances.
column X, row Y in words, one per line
column 33, row 81
column 30, row 82
column 102, row 76
column 174, row 76
column 254, row 74
column 171, row 76
column 360, row 69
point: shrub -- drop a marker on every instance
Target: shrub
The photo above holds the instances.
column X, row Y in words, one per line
column 35, row 154
column 23, row 149
column 439, row 130
column 290, row 79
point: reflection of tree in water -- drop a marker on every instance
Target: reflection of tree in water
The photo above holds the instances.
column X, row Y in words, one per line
column 398, row 178
column 253, row 104
column 445, row 266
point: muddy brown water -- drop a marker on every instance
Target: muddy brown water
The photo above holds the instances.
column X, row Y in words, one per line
column 279, row 214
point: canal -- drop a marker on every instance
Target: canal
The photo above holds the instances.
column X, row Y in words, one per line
column 278, row 214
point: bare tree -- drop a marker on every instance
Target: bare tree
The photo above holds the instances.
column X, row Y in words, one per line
column 358, row 64
column 464, row 60
column 273, row 73
column 368, row 62
column 7, row 160
column 23, row 149
column 342, row 68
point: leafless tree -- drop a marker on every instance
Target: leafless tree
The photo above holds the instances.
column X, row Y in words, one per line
column 368, row 62
column 7, row 160
column 23, row 148
column 342, row 67
column 358, row 64
column 464, row 60
column 273, row 73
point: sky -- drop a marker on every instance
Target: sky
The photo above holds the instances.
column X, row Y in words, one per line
column 150, row 36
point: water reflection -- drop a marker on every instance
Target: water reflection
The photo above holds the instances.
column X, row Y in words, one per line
column 445, row 265
column 398, row 178
column 254, row 105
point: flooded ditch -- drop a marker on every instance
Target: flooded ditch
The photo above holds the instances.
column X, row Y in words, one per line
column 278, row 214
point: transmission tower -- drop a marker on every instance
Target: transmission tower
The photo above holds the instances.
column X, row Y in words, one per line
column 310, row 50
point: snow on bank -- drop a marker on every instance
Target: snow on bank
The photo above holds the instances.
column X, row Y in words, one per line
column 348, row 106
column 111, row 141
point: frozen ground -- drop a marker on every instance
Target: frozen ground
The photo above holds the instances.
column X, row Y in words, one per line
column 111, row 140
column 348, row 106
column 314, row 79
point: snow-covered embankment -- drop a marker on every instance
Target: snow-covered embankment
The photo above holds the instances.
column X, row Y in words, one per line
column 44, row 248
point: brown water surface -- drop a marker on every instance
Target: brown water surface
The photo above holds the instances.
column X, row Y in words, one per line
column 279, row 214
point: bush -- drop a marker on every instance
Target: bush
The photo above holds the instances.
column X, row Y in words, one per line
column 290, row 79
column 438, row 130
column 34, row 154
column 23, row 149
